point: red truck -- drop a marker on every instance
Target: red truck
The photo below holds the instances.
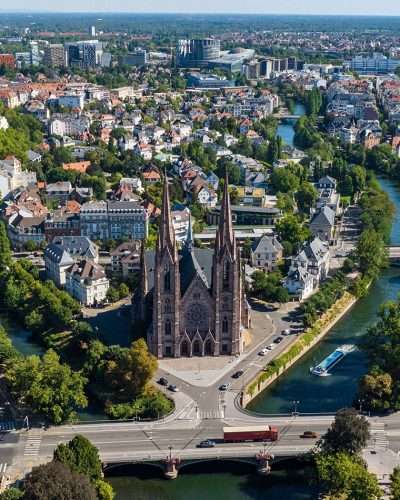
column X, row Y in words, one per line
column 253, row 433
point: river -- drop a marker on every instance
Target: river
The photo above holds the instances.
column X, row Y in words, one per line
column 233, row 481
column 286, row 130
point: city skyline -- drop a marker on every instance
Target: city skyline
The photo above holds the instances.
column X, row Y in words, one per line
column 285, row 7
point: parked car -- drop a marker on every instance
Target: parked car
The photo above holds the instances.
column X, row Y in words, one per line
column 207, row 443
column 163, row 381
column 173, row 388
column 285, row 332
column 278, row 340
column 238, row 374
column 263, row 352
column 223, row 387
column 309, row 434
column 270, row 347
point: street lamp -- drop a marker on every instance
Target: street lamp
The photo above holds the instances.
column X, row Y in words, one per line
column 295, row 405
column 170, row 452
column 360, row 402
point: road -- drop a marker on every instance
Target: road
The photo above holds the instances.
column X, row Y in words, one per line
column 202, row 411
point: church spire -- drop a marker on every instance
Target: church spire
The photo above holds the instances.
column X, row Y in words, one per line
column 189, row 238
column 225, row 235
column 166, row 233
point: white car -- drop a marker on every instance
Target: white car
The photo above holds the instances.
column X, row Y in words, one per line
column 263, row 352
column 285, row 332
column 270, row 347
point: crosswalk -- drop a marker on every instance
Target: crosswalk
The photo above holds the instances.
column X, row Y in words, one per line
column 3, row 468
column 378, row 437
column 193, row 413
column 32, row 443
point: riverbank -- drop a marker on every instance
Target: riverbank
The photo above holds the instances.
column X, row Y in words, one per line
column 305, row 342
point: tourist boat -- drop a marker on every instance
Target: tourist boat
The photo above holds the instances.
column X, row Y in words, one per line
column 322, row 370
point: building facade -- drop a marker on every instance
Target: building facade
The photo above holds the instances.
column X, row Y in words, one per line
column 192, row 302
column 104, row 220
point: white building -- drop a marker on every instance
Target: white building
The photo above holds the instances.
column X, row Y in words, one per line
column 12, row 176
column 63, row 252
column 86, row 281
column 72, row 100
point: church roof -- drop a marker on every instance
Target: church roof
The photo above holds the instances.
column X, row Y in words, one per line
column 200, row 261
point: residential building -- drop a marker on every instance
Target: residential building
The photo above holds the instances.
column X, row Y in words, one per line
column 63, row 252
column 54, row 55
column 125, row 259
column 266, row 252
column 103, row 220
column 323, row 224
column 86, row 281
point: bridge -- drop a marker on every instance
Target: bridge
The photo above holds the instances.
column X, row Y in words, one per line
column 171, row 445
column 394, row 254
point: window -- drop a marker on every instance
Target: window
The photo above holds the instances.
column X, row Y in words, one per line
column 167, row 307
column 168, row 327
column 167, row 280
column 225, row 325
column 226, row 275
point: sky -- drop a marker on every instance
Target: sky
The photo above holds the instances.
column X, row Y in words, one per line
column 353, row 7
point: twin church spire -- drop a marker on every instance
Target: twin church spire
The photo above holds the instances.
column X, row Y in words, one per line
column 225, row 237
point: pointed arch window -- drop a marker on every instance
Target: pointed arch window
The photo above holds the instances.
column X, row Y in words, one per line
column 168, row 327
column 167, row 307
column 167, row 279
column 225, row 325
column 225, row 277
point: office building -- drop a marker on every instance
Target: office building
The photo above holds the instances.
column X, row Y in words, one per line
column 85, row 54
column 378, row 64
column 206, row 81
column 54, row 55
column 197, row 52
column 137, row 58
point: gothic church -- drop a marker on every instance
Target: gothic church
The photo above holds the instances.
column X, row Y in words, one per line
column 192, row 301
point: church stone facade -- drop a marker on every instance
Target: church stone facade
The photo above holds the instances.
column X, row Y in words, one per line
column 192, row 301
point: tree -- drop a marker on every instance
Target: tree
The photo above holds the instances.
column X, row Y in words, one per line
column 55, row 480
column 130, row 374
column 348, row 433
column 12, row 494
column 375, row 390
column 292, row 230
column 112, row 294
column 81, row 456
column 346, row 476
column 394, row 484
column 123, row 290
column 284, row 180
column 49, row 387
column 306, row 196
column 104, row 490
column 371, row 252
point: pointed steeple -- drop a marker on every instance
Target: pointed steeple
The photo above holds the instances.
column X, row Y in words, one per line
column 225, row 235
column 166, row 233
column 189, row 238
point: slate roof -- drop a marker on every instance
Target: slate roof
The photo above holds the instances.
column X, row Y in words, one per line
column 266, row 244
column 325, row 217
column 200, row 262
column 79, row 246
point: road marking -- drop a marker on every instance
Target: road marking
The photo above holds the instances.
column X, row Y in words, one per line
column 3, row 468
column 32, row 444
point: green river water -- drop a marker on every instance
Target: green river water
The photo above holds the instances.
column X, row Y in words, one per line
column 233, row 481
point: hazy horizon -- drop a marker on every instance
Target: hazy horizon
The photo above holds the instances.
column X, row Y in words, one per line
column 285, row 7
